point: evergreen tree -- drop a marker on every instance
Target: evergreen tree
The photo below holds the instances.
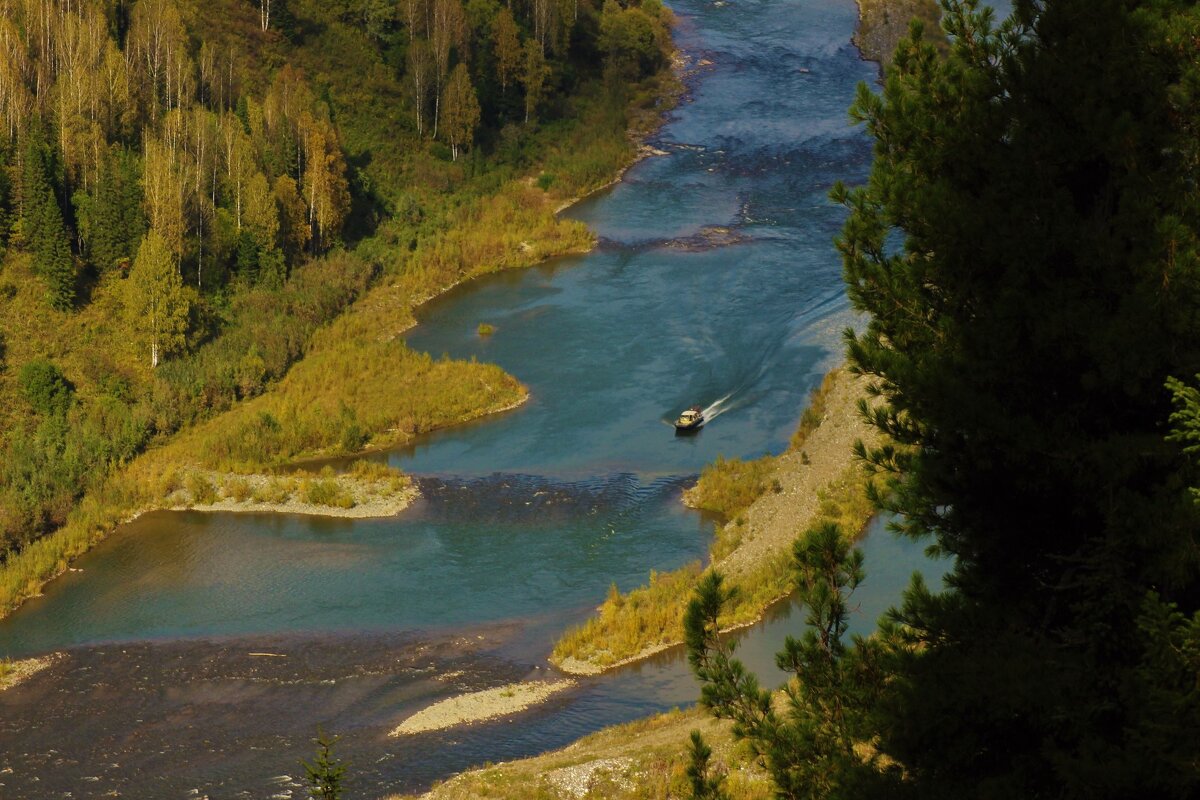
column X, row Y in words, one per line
column 246, row 256
column 42, row 221
column 706, row 783
column 116, row 222
column 46, row 388
column 507, row 45
column 326, row 773
column 6, row 200
column 809, row 745
column 1026, row 249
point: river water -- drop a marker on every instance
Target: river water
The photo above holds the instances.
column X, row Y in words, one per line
column 716, row 282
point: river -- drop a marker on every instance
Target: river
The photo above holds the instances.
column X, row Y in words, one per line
column 715, row 282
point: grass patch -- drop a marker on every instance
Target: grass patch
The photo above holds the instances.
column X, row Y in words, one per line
column 818, row 406
column 275, row 491
column 646, row 759
column 379, row 476
column 730, row 486
column 627, row 624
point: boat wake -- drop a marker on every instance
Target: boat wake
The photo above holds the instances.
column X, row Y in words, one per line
column 718, row 407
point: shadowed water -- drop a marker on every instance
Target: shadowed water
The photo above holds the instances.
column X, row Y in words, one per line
column 526, row 518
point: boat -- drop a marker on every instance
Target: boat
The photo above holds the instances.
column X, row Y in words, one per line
column 690, row 420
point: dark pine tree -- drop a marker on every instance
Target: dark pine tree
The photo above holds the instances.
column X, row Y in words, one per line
column 6, row 199
column 42, row 221
column 1044, row 180
column 117, row 221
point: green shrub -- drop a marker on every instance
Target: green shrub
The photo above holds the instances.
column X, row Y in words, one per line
column 275, row 491
column 201, row 489
column 238, row 489
column 325, row 492
column 45, row 387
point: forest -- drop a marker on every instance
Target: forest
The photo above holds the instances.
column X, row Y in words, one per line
column 189, row 191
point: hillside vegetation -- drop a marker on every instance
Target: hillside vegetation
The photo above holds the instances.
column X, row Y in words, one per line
column 193, row 196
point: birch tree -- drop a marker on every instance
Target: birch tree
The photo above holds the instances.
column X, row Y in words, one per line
column 449, row 30
column 462, row 110
column 155, row 303
column 534, row 78
column 507, row 46
column 420, row 65
column 163, row 186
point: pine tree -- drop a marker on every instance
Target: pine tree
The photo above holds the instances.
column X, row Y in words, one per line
column 116, row 222
column 6, row 201
column 1026, row 253
column 809, row 747
column 326, row 774
column 42, row 221
column 706, row 783
column 1044, row 178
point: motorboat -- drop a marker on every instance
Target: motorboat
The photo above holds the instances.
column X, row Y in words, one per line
column 690, row 420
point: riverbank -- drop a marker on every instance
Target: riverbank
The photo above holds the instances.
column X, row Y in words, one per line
column 767, row 504
column 647, row 758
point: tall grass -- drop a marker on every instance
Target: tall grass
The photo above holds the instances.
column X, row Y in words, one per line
column 817, row 408
column 729, row 486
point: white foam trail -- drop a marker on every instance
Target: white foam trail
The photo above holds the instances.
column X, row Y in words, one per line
column 717, row 408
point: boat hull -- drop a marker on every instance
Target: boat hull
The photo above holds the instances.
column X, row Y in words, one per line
column 684, row 430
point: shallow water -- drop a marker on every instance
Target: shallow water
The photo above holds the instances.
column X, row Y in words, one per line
column 527, row 517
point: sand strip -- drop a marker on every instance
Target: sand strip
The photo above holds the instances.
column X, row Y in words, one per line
column 286, row 494
column 479, row 706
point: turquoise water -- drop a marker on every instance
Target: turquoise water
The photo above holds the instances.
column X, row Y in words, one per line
column 527, row 517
